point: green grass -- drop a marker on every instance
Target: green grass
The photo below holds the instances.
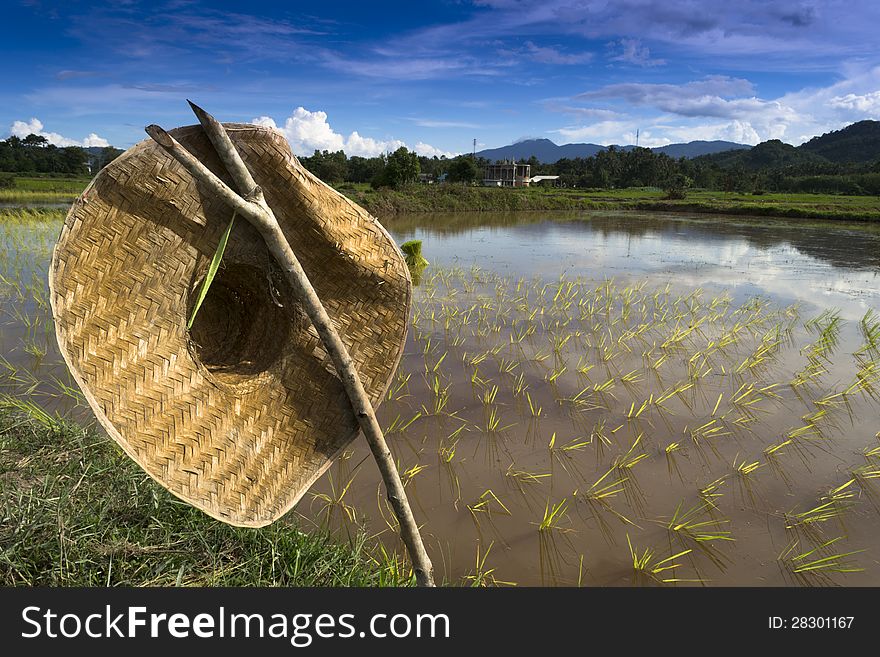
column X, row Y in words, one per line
column 456, row 198
column 78, row 512
column 43, row 190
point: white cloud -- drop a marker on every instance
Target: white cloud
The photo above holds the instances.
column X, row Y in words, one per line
column 429, row 151
column 868, row 103
column 601, row 132
column 854, row 98
column 741, row 132
column 369, row 147
column 725, row 108
column 309, row 131
column 35, row 127
column 655, row 132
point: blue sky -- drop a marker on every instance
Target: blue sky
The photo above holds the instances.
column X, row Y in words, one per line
column 368, row 77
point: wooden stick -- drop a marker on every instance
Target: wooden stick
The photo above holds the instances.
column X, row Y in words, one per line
column 255, row 210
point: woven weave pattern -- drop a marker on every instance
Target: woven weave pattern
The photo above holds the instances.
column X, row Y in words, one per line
column 240, row 415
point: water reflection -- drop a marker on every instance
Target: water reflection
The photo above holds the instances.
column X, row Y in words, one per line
column 813, row 263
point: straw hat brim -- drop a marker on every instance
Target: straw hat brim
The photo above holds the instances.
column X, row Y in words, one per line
column 241, row 414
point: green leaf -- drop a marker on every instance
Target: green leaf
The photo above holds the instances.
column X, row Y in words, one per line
column 212, row 271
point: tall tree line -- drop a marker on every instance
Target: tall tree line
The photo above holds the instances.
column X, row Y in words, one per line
column 771, row 166
column 34, row 154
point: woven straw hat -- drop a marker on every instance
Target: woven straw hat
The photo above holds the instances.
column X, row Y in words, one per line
column 241, row 414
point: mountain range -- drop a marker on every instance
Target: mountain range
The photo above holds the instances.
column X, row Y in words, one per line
column 548, row 152
column 856, row 143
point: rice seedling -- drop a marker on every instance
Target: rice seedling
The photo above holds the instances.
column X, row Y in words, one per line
column 492, row 421
column 624, row 466
column 410, row 473
column 647, row 570
column 867, row 478
column 334, row 502
column 554, row 517
column 555, row 373
column 870, row 329
column 600, row 439
column 633, row 413
column 575, row 444
column 399, row 426
column 554, row 523
column 832, row 506
column 519, row 385
column 527, row 483
column 671, row 461
column 744, row 471
column 706, row 434
column 698, row 528
column 534, row 409
column 484, row 508
column 486, row 503
column 439, row 396
column 525, row 477
column 29, row 409
column 598, row 497
column 816, row 565
column 711, row 493
column 399, row 388
column 481, row 576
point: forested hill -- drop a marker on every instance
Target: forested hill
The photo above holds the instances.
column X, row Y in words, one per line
column 856, row 144
column 859, row 142
column 771, row 154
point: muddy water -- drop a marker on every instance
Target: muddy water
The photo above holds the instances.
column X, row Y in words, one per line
column 483, row 492
column 580, row 388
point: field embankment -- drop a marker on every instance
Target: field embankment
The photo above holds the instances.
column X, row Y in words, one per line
column 454, row 198
column 459, row 198
column 25, row 190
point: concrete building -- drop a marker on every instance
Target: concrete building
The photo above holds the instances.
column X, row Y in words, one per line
column 507, row 174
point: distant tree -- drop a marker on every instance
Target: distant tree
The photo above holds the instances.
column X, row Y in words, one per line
column 328, row 166
column 34, row 154
column 35, row 140
column 463, row 169
column 401, row 168
column 433, row 165
column 363, row 169
column 678, row 186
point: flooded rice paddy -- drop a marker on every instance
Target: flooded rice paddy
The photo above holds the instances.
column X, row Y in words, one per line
column 598, row 399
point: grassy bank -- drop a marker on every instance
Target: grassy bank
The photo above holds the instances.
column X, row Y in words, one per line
column 78, row 512
column 454, row 198
column 43, row 190
column 458, row 198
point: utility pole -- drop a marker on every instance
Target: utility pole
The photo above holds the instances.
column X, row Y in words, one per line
column 475, row 148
